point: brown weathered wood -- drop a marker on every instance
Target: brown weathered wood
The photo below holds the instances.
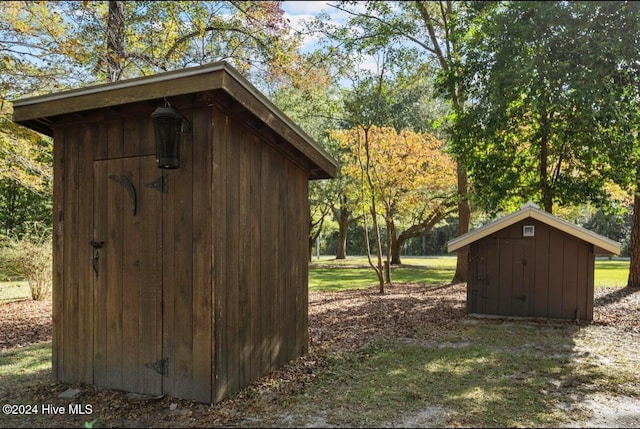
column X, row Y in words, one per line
column 131, row 137
column 492, row 286
column 519, row 279
column 71, row 286
column 506, row 277
column 111, row 268
column 211, row 276
column 582, row 279
column 591, row 260
column 170, row 333
column 541, row 272
column 301, row 286
column 268, row 247
column 219, row 159
column 232, row 253
column 569, row 278
column 58, row 336
column 252, row 247
column 131, row 273
column 150, row 259
column 100, row 144
column 556, row 263
column 177, row 272
column 115, row 141
column 100, row 329
column 244, row 256
column 87, row 135
column 202, row 257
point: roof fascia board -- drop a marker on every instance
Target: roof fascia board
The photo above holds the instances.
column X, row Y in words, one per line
column 577, row 231
column 328, row 162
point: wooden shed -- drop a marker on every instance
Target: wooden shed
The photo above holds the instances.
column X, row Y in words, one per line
column 190, row 282
column 532, row 264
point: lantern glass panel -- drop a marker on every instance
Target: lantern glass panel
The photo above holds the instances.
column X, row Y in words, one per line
column 167, row 124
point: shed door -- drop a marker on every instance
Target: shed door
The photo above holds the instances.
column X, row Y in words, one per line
column 506, row 286
column 127, row 256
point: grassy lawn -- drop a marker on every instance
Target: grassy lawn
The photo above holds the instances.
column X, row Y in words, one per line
column 486, row 375
column 13, row 291
column 327, row 274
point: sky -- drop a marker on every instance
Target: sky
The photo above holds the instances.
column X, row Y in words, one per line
column 299, row 11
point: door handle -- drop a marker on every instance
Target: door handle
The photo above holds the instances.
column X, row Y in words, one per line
column 129, row 186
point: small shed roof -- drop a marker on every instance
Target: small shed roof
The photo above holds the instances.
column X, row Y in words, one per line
column 39, row 113
column 603, row 245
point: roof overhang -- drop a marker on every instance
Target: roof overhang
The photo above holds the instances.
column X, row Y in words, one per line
column 39, row 113
column 603, row 245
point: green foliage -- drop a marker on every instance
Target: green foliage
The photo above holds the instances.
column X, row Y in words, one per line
column 26, row 156
column 21, row 206
column 615, row 225
column 551, row 101
column 66, row 42
column 30, row 257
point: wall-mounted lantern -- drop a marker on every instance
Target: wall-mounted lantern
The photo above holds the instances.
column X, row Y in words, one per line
column 168, row 126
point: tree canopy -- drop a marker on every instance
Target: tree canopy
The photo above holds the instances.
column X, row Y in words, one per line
column 545, row 83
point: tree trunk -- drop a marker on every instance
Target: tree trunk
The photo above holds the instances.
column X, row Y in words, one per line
column 396, row 245
column 464, row 219
column 367, row 182
column 547, row 196
column 634, row 265
column 115, row 40
column 343, row 226
column 391, row 241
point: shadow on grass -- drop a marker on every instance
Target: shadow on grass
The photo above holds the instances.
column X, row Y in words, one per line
column 24, row 371
column 615, row 295
column 479, row 385
column 408, row 354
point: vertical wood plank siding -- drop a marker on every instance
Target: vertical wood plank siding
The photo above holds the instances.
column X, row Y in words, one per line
column 71, row 322
column 552, row 271
column 59, row 175
column 202, row 350
column 211, row 275
column 150, row 256
column 256, row 288
column 87, row 134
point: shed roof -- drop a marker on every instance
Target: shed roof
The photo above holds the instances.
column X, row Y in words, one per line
column 39, row 113
column 603, row 245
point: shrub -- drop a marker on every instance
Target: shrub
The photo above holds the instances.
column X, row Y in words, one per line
column 30, row 258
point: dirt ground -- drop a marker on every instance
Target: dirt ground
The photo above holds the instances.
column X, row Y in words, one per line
column 404, row 310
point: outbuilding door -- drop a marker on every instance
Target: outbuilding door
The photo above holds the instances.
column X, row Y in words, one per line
column 127, row 274
column 506, row 275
